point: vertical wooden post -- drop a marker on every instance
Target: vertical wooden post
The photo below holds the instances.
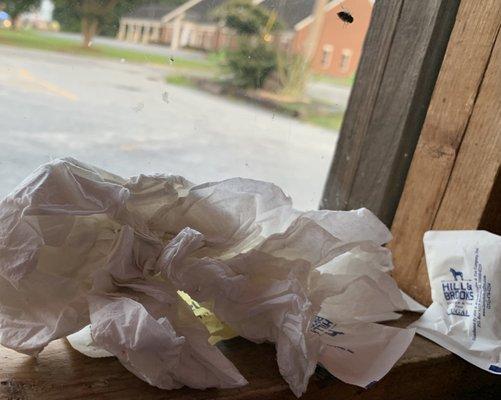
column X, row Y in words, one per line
column 445, row 189
column 402, row 55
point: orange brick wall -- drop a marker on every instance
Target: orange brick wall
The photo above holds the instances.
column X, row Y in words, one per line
column 340, row 36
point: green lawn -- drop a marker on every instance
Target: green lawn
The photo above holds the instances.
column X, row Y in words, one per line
column 331, row 121
column 180, row 80
column 34, row 40
column 307, row 113
column 335, row 81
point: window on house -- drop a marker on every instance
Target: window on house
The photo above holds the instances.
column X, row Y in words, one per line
column 344, row 64
column 327, row 51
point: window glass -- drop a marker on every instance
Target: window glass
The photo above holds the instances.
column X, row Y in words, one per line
column 327, row 55
column 345, row 60
column 206, row 89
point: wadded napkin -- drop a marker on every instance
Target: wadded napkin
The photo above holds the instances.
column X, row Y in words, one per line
column 80, row 246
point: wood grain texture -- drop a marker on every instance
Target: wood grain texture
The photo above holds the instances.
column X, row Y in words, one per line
column 362, row 100
column 479, row 156
column 417, row 52
column 477, row 164
column 61, row 373
column 372, row 160
column 451, row 106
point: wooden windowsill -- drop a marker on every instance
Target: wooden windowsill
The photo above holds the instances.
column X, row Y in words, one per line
column 425, row 371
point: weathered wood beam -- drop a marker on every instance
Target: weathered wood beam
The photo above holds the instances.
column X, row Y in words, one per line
column 61, row 373
column 477, row 164
column 402, row 55
column 450, row 115
column 362, row 101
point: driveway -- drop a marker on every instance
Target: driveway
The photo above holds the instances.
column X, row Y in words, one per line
column 124, row 117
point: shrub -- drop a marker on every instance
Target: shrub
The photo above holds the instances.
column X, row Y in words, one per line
column 246, row 18
column 255, row 57
column 251, row 63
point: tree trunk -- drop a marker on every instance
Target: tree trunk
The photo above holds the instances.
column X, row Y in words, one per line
column 14, row 19
column 89, row 29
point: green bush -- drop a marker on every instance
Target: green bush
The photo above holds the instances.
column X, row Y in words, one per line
column 251, row 63
column 246, row 18
column 255, row 58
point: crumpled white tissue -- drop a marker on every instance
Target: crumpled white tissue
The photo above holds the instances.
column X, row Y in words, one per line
column 80, row 246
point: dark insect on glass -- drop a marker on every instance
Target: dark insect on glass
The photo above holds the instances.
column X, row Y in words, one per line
column 345, row 16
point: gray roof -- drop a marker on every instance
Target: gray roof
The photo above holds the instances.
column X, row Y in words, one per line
column 151, row 11
column 201, row 12
column 290, row 12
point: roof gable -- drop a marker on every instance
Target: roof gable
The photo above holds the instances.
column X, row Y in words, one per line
column 201, row 12
column 151, row 11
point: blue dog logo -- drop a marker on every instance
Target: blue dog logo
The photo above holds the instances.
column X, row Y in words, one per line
column 456, row 274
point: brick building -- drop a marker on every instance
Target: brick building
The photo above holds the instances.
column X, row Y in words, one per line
column 340, row 45
column 192, row 25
